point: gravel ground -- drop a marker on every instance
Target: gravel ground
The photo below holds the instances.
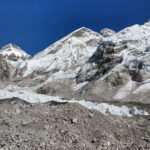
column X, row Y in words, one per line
column 65, row 126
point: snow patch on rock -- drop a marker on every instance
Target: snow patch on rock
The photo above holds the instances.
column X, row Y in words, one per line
column 79, row 86
column 142, row 89
column 124, row 91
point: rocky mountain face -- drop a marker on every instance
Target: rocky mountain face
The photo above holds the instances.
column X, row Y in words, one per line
column 120, row 65
column 4, row 70
column 60, row 61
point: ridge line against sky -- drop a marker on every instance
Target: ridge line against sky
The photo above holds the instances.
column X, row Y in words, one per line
column 35, row 24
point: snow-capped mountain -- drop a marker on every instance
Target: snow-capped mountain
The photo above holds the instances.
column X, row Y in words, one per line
column 107, row 32
column 12, row 52
column 68, row 54
column 91, row 66
column 131, row 45
column 92, row 87
column 120, row 66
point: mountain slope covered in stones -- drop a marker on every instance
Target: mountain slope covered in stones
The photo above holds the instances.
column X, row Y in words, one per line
column 68, row 126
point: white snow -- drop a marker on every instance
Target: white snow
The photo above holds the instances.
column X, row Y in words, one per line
column 124, row 91
column 66, row 54
column 70, row 53
column 146, row 81
column 18, row 56
column 111, row 109
column 107, row 32
column 12, row 49
column 137, row 39
column 136, row 36
column 102, row 107
column 79, row 86
column 12, row 87
column 143, row 88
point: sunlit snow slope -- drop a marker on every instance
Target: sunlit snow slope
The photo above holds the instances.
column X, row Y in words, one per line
column 67, row 54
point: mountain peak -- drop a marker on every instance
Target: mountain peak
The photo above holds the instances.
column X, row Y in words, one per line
column 82, row 28
column 107, row 32
column 10, row 46
column 69, row 53
column 81, row 37
column 13, row 52
column 83, row 31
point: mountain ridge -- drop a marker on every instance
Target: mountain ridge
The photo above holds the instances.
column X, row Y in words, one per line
column 84, row 65
column 12, row 52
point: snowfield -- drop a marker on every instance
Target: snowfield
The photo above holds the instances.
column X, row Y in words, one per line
column 102, row 107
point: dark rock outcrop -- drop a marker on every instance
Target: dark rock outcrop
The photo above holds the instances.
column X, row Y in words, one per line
column 4, row 70
column 102, row 61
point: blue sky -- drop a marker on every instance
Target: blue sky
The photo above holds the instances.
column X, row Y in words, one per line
column 35, row 24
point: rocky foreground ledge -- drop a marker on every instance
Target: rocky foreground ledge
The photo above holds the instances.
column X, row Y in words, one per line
column 68, row 126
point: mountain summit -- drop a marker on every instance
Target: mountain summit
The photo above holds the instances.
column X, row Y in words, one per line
column 67, row 54
column 13, row 53
column 107, row 32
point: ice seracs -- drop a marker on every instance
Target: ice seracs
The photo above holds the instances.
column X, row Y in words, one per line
column 104, row 108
